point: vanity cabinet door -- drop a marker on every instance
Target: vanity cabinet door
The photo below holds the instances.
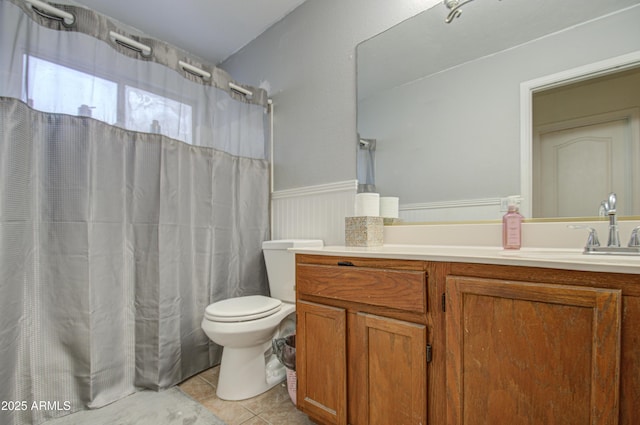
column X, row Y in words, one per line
column 321, row 362
column 531, row 353
column 389, row 376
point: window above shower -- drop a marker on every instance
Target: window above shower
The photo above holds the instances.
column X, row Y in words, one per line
column 53, row 87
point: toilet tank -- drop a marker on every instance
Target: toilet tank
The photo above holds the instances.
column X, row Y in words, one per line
column 281, row 265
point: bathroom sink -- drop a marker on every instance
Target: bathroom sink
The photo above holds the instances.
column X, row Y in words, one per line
column 564, row 255
column 545, row 254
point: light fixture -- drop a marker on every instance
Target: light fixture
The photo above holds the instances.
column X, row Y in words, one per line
column 454, row 6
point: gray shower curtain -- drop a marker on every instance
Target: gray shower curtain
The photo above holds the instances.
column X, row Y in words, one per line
column 113, row 241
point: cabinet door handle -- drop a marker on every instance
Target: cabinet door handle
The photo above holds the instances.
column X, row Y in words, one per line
column 346, row 263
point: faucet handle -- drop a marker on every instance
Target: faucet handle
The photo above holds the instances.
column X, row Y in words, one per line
column 608, row 206
column 592, row 240
column 635, row 238
column 612, row 203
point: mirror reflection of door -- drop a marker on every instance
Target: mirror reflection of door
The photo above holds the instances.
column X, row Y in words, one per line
column 586, row 144
column 579, row 162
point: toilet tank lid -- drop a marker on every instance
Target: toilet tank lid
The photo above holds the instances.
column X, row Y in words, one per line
column 293, row 243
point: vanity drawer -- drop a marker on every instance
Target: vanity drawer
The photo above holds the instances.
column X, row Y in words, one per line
column 396, row 289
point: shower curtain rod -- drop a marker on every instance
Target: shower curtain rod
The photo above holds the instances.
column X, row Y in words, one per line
column 146, row 51
column 125, row 41
column 66, row 17
column 246, row 92
column 240, row 89
column 143, row 49
column 195, row 70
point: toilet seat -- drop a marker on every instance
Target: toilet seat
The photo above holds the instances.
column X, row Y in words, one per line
column 242, row 309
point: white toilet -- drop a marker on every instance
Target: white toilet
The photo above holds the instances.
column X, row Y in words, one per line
column 245, row 326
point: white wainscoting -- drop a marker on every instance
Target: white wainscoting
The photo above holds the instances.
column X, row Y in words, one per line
column 318, row 212
column 313, row 212
column 462, row 210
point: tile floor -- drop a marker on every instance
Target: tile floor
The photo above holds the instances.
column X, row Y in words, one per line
column 273, row 407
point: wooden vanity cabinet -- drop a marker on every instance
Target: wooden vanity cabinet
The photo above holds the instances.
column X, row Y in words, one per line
column 538, row 346
column 506, row 344
column 531, row 352
column 321, row 362
column 361, row 352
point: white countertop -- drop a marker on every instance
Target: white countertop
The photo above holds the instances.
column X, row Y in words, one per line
column 569, row 259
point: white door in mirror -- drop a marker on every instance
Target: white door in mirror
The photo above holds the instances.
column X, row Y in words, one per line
column 578, row 166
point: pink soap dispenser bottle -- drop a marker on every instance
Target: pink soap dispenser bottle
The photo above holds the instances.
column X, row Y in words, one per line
column 512, row 225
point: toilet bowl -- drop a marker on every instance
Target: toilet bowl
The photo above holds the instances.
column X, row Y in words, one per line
column 245, row 326
column 247, row 368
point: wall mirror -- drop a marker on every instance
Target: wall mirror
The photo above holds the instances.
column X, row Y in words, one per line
column 465, row 114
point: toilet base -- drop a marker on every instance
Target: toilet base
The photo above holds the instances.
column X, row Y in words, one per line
column 246, row 373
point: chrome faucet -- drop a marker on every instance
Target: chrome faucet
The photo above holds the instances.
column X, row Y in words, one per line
column 608, row 207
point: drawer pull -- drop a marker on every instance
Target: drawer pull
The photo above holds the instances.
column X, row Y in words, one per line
column 345, row 263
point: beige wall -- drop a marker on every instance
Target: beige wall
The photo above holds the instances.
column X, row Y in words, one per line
column 592, row 97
